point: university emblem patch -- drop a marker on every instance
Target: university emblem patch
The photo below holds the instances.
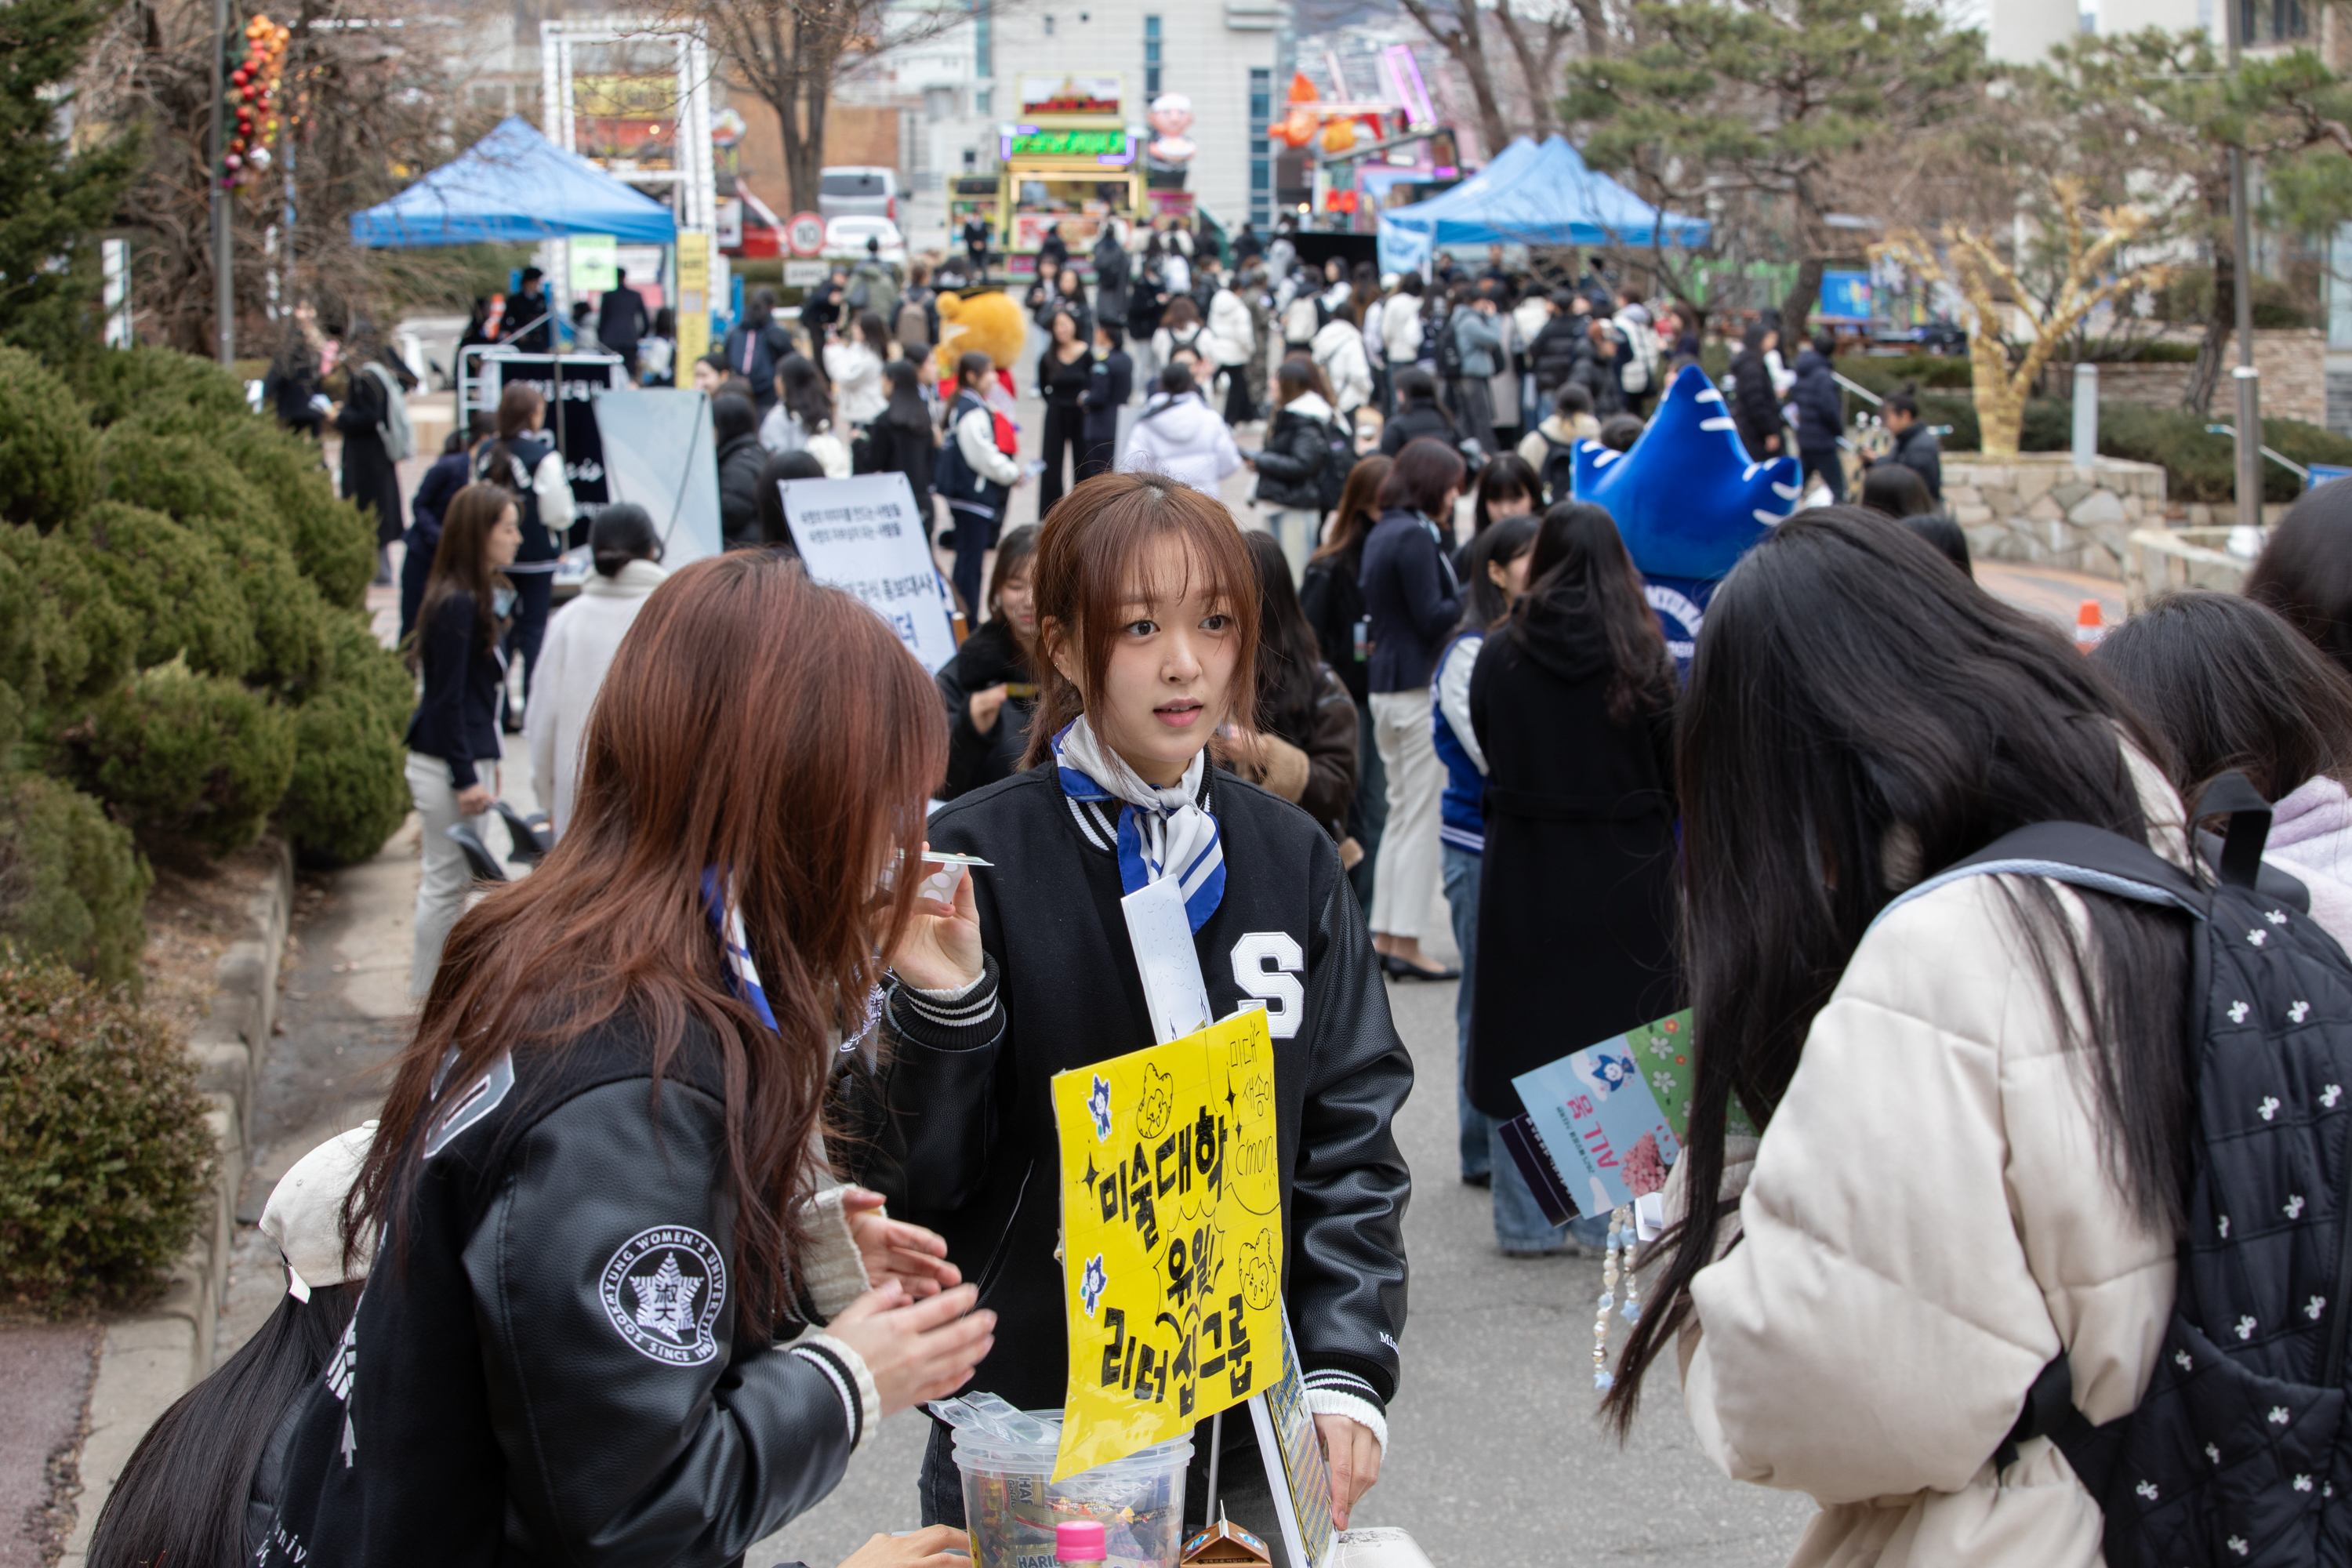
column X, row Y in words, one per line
column 663, row 1291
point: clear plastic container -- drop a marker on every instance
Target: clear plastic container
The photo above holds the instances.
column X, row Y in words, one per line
column 1012, row 1507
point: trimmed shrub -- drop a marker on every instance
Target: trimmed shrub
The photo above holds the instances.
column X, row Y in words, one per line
column 187, row 475
column 349, row 793
column 182, row 755
column 47, row 454
column 63, row 639
column 168, row 392
column 175, row 582
column 72, row 885
column 105, row 1155
column 364, row 669
column 333, row 543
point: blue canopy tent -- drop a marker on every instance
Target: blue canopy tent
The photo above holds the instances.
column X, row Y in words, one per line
column 1529, row 194
column 514, row 185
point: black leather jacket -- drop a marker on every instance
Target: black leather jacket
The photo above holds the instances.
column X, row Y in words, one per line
column 552, row 1370
column 958, row 1124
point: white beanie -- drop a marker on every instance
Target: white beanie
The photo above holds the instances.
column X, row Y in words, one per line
column 305, row 1213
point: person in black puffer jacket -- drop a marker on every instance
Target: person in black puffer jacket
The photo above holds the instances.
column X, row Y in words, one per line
column 1821, row 416
column 1562, row 342
column 735, row 427
column 1755, row 406
column 990, row 684
column 1418, row 414
column 1290, row 470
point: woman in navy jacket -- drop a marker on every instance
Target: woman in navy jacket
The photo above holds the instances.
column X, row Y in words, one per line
column 1413, row 601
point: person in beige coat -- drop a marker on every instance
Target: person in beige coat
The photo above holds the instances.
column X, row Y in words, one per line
column 1966, row 1166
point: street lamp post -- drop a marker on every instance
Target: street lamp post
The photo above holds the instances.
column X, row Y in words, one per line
column 223, row 279
column 2250, row 420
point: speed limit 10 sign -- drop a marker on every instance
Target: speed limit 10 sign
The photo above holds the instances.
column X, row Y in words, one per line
column 805, row 234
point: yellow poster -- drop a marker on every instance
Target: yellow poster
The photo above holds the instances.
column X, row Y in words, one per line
column 1172, row 1234
column 693, row 300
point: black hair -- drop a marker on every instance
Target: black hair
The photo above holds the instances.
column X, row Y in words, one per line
column 665, row 322
column 1894, row 489
column 907, row 410
column 1582, row 571
column 1289, row 659
column 2304, row 572
column 1943, row 533
column 182, row 1497
column 1575, row 399
column 2229, row 684
column 1505, row 474
column 732, row 417
column 622, row 533
column 480, row 425
column 1825, row 343
column 871, row 327
column 1484, row 603
column 774, row 530
column 803, row 393
column 1619, row 431
column 1176, row 380
column 1752, row 340
column 1415, row 388
column 1858, row 718
column 1419, row 478
column 1902, row 401
column 1295, row 377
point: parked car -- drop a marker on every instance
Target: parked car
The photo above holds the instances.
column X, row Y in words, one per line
column 857, row 190
column 846, row 238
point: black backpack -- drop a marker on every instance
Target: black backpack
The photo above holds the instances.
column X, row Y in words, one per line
column 2237, row 1451
column 1557, row 472
column 1449, row 350
column 1339, row 457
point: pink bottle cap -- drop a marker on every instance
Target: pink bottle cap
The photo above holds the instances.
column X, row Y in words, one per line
column 1080, row 1541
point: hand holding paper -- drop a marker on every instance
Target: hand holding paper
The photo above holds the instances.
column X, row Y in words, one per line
column 1354, row 1455
column 940, row 948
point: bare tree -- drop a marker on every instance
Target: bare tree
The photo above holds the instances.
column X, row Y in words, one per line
column 1519, row 87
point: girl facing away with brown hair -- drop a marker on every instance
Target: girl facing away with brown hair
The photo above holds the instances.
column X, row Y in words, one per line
column 1147, row 607
column 601, row 1175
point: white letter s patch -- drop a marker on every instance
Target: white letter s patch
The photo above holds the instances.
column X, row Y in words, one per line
column 1266, row 965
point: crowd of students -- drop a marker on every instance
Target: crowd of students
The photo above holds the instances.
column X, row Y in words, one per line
column 1922, row 1106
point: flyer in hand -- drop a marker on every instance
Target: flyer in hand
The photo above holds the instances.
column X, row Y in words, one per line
column 1171, row 1229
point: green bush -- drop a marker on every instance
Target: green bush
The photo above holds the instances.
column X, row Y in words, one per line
column 63, row 639
column 364, row 669
column 47, row 454
column 105, row 1157
column 333, row 543
column 174, row 582
column 1885, row 374
column 179, row 755
column 71, row 882
column 187, row 475
column 349, row 793
column 164, row 390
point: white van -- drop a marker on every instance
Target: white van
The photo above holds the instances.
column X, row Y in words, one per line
column 857, row 190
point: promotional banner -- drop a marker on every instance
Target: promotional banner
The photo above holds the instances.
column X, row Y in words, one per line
column 1171, row 1229
column 693, row 300
column 571, row 383
column 865, row 536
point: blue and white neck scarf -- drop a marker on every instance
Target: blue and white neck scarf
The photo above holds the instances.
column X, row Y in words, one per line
column 1161, row 832
column 735, row 943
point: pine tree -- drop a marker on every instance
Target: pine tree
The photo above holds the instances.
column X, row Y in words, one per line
column 53, row 200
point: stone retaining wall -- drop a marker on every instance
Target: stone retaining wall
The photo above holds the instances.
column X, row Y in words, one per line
column 2293, row 363
column 2038, row 508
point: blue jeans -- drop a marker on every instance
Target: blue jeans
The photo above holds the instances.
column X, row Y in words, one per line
column 1461, row 874
column 1519, row 1222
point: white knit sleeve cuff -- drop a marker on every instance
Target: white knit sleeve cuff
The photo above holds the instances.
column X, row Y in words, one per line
column 1362, row 1411
column 861, row 1402
column 833, row 1269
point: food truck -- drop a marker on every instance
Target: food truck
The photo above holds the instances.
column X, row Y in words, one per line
column 1071, row 159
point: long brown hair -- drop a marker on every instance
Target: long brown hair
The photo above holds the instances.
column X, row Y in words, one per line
column 461, row 564
column 1089, row 561
column 1357, row 510
column 519, row 408
column 756, row 722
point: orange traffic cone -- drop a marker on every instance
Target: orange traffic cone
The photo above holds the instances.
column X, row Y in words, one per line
column 2088, row 627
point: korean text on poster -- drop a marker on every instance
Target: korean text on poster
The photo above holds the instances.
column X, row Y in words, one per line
column 865, row 536
column 1171, row 1225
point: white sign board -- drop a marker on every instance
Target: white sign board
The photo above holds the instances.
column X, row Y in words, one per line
column 865, row 536
column 804, row 274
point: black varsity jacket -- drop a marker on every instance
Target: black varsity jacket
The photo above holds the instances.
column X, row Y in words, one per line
column 553, row 1372
column 957, row 1119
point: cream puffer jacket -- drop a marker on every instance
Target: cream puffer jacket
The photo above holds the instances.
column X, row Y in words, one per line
column 1928, row 1223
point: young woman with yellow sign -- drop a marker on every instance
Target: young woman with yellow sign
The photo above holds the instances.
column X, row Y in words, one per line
column 1146, row 618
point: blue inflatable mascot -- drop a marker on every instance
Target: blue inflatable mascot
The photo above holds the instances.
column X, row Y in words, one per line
column 1688, row 500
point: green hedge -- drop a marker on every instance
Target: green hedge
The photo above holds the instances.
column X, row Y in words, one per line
column 180, row 755
column 169, row 391
column 2198, row 466
column 348, row 792
column 63, row 638
column 333, row 542
column 177, row 585
column 105, row 1157
column 47, row 467
column 71, row 882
